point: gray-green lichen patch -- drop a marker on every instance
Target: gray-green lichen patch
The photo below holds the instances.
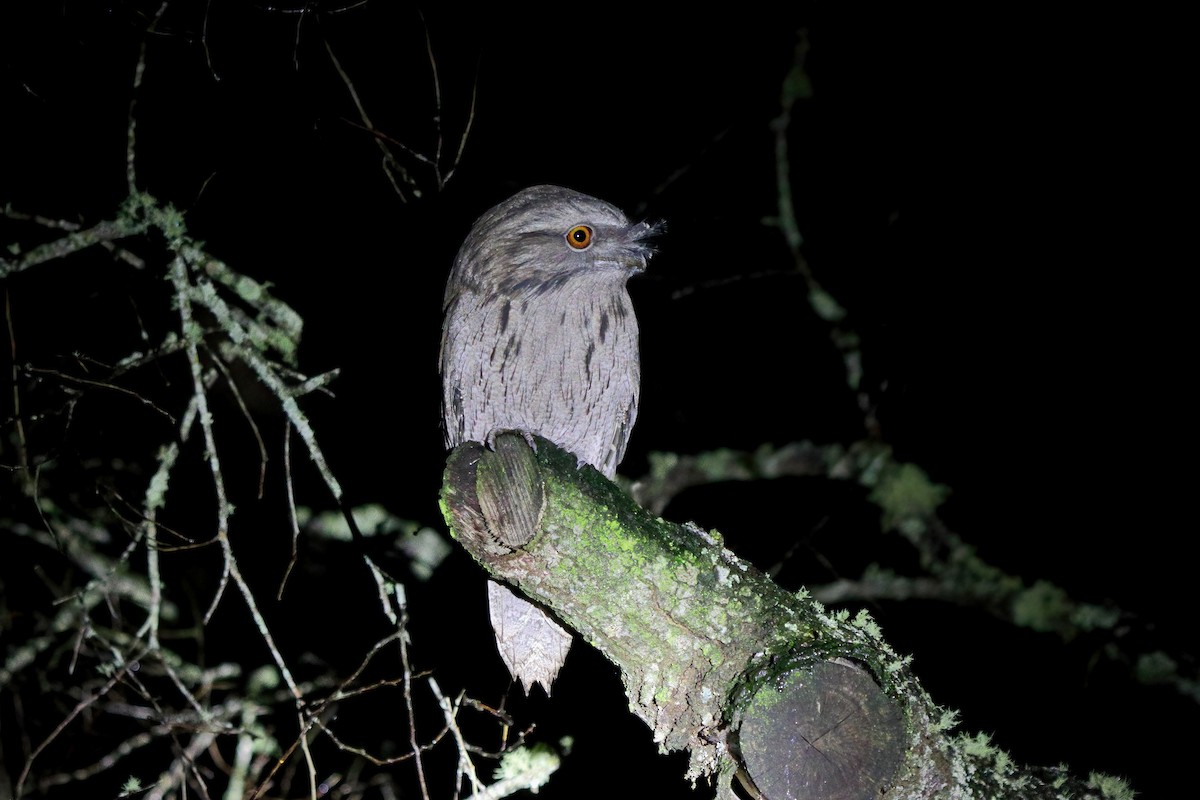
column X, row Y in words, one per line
column 905, row 492
column 1110, row 787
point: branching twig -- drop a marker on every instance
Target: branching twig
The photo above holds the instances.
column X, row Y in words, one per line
column 404, row 182
column 465, row 765
column 79, row 708
column 391, row 167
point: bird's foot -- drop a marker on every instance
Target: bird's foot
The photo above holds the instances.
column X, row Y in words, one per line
column 490, row 441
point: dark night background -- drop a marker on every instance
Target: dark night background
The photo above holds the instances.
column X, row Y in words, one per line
column 979, row 193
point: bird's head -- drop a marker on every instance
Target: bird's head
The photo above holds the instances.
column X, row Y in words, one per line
column 545, row 236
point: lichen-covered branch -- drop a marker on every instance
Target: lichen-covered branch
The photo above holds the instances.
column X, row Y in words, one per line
column 716, row 659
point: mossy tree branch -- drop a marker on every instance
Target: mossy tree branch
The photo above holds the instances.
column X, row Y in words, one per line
column 716, row 658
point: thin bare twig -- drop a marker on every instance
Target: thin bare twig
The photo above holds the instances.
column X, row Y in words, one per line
column 79, row 708
column 246, row 415
column 293, row 519
column 413, row 743
column 107, row 386
column 131, row 128
column 26, row 477
column 465, row 765
column 390, row 165
column 462, row 140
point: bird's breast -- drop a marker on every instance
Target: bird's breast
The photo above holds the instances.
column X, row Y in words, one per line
column 563, row 365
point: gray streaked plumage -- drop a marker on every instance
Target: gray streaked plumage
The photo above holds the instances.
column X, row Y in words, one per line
column 540, row 337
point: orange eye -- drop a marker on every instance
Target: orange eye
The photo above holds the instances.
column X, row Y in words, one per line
column 579, row 237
